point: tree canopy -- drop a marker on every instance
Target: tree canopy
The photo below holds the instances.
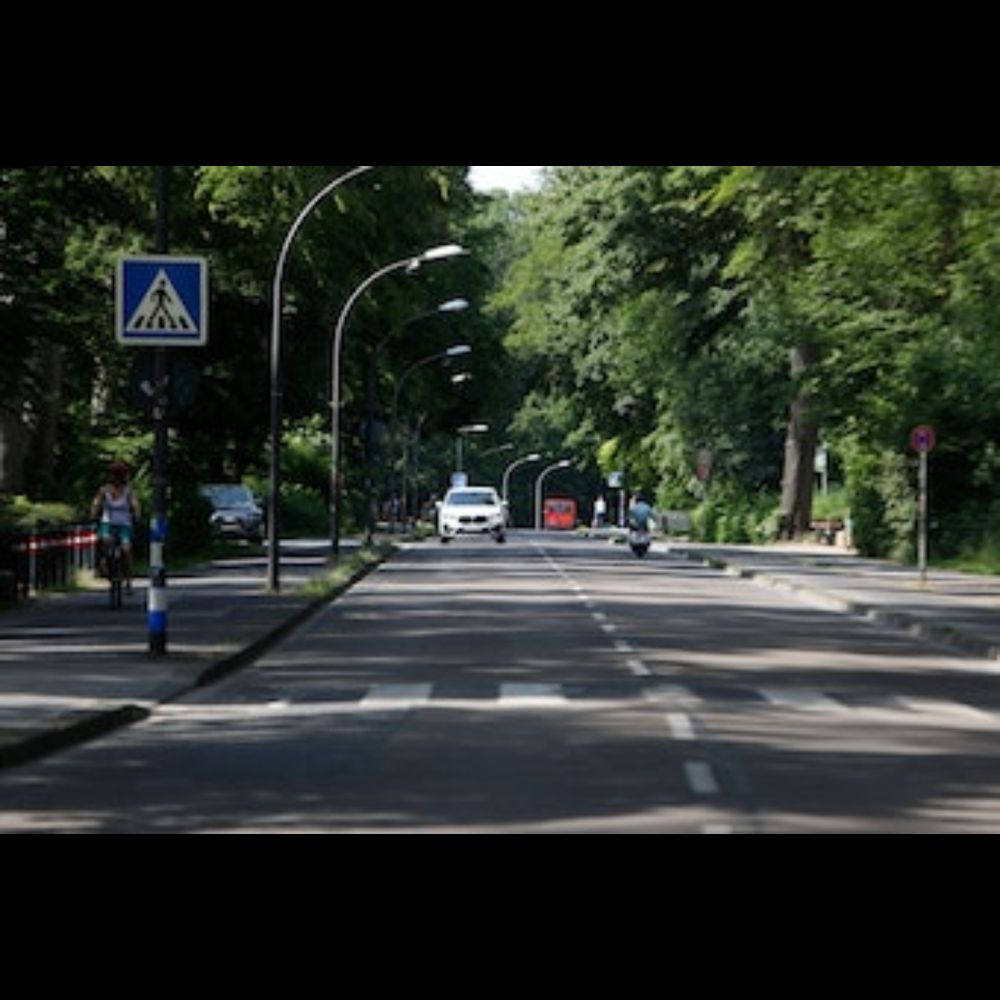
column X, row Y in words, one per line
column 634, row 318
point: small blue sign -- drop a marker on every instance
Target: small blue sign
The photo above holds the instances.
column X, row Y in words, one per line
column 162, row 302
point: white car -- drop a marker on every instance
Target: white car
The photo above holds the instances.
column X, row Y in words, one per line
column 472, row 510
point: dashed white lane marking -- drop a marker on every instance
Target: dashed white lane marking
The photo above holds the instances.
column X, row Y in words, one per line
column 681, row 727
column 700, row 778
column 802, row 700
column 633, row 661
column 637, row 667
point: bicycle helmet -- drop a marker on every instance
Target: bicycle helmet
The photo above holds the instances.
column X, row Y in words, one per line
column 118, row 471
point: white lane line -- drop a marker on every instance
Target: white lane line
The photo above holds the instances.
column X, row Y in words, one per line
column 672, row 694
column 681, row 727
column 802, row 700
column 397, row 696
column 639, row 668
column 700, row 778
column 532, row 696
column 953, row 708
column 625, row 647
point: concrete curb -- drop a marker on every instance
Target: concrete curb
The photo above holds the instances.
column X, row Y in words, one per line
column 897, row 620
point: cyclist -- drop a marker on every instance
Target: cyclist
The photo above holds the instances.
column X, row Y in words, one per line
column 117, row 506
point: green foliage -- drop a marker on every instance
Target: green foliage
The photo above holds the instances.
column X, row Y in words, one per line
column 64, row 394
column 627, row 316
column 656, row 309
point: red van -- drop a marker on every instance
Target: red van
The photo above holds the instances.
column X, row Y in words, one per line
column 559, row 514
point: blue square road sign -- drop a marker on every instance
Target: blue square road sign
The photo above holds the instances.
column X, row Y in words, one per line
column 162, row 302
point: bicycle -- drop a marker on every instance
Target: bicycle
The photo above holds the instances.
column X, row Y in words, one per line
column 114, row 558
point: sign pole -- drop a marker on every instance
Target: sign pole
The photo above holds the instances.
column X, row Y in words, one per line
column 922, row 541
column 923, row 440
column 156, row 614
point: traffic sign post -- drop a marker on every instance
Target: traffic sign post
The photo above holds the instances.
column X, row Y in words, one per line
column 923, row 440
column 160, row 302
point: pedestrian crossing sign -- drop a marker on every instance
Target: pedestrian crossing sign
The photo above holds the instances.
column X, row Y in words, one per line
column 162, row 302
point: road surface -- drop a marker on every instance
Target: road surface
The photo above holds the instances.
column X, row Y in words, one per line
column 551, row 685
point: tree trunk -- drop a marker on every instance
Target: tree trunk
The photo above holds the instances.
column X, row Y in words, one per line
column 13, row 451
column 800, row 453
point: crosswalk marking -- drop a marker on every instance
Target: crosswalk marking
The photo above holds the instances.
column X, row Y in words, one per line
column 397, row 696
column 535, row 695
column 931, row 706
column 802, row 700
column 674, row 698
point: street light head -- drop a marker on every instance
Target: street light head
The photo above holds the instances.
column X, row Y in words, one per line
column 533, row 457
column 474, row 429
column 460, row 378
column 453, row 306
column 458, row 350
column 442, row 253
column 564, row 464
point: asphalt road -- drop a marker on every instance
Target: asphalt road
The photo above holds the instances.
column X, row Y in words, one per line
column 552, row 685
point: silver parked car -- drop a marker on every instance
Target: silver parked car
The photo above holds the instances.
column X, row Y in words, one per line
column 235, row 511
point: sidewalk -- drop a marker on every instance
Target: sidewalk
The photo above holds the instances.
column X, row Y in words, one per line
column 71, row 668
column 960, row 610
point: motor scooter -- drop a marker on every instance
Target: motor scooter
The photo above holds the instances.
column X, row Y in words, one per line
column 639, row 541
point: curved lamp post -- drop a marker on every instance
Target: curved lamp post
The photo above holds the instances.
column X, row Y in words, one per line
column 564, row 464
column 462, row 431
column 533, row 457
column 277, row 388
column 456, row 351
column 410, row 265
column 450, row 307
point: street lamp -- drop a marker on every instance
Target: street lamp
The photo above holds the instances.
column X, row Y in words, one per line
column 450, row 307
column 533, row 457
column 564, row 464
column 277, row 387
column 455, row 351
column 462, row 431
column 411, row 265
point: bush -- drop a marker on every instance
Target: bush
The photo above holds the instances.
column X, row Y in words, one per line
column 189, row 516
column 883, row 505
column 730, row 517
column 304, row 511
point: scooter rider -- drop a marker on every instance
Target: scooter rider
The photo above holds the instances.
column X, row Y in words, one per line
column 639, row 513
column 640, row 516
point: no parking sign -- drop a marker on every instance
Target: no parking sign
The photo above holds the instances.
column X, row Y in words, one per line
column 923, row 440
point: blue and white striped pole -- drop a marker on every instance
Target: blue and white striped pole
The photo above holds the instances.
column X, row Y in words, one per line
column 156, row 606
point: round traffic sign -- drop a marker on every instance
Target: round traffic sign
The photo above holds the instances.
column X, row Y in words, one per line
column 923, row 439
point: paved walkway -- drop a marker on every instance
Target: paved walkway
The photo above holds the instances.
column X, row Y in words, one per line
column 71, row 668
column 960, row 610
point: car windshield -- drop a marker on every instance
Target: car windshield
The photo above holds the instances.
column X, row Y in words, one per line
column 228, row 496
column 480, row 498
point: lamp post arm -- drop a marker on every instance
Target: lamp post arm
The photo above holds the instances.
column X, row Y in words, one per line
column 277, row 388
column 338, row 338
